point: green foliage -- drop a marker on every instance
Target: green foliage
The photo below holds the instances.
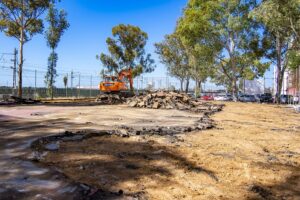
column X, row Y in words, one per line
column 173, row 54
column 65, row 80
column 281, row 23
column 22, row 15
column 51, row 73
column 223, row 31
column 58, row 24
column 22, row 19
column 127, row 50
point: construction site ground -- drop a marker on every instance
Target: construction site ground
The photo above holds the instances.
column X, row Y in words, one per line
column 252, row 153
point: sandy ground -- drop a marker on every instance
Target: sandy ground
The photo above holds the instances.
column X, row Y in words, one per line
column 253, row 153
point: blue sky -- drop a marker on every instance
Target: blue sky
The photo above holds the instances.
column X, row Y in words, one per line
column 91, row 23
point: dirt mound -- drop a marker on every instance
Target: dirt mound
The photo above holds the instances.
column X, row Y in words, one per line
column 173, row 100
column 110, row 99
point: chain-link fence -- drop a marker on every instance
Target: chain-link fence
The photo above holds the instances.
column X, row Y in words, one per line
column 69, row 84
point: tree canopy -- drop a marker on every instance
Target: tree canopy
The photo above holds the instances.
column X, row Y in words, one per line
column 22, row 20
column 173, row 54
column 127, row 50
column 223, row 30
column 281, row 26
column 58, row 24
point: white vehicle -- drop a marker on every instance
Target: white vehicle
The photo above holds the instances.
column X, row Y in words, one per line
column 223, row 97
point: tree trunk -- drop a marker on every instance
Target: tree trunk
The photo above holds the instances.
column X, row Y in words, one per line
column 51, row 74
column 20, row 72
column 181, row 85
column 197, row 88
column 279, row 71
column 187, row 85
column 234, row 90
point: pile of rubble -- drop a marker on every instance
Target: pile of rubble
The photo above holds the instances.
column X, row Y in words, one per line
column 173, row 100
column 110, row 99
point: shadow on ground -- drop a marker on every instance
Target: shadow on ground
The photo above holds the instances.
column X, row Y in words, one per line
column 98, row 167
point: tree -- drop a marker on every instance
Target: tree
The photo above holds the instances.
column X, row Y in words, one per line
column 127, row 50
column 65, row 79
column 281, row 20
column 224, row 28
column 21, row 19
column 58, row 24
column 173, row 54
column 200, row 61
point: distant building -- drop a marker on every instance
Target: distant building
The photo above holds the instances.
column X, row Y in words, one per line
column 291, row 82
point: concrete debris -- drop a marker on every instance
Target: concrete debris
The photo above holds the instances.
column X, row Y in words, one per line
column 173, row 100
column 201, row 124
column 8, row 99
column 110, row 99
column 52, row 146
column 297, row 108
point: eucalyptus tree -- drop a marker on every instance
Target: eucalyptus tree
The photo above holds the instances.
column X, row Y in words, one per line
column 200, row 62
column 21, row 19
column 223, row 28
column 281, row 20
column 127, row 50
column 58, row 24
column 173, row 54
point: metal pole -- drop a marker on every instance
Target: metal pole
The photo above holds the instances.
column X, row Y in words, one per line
column 67, row 85
column 72, row 83
column 79, row 86
column 91, row 86
column 35, row 84
column 15, row 69
column 264, row 84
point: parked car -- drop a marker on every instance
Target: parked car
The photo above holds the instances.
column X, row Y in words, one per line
column 258, row 97
column 207, row 97
column 296, row 100
column 223, row 97
column 247, row 98
column 264, row 98
column 285, row 99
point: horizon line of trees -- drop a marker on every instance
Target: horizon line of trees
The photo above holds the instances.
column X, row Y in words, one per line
column 221, row 40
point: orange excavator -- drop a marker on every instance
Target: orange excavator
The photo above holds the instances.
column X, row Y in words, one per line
column 118, row 84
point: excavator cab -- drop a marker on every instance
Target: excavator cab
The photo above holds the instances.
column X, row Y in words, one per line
column 119, row 85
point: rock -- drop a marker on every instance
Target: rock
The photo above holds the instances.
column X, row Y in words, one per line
column 123, row 133
column 141, row 104
column 173, row 100
column 109, row 99
column 52, row 146
column 133, row 104
column 155, row 105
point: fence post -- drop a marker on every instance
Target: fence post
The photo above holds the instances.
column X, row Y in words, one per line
column 79, row 87
column 72, row 83
column 91, row 86
column 35, row 84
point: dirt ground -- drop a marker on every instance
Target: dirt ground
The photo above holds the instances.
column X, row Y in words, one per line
column 253, row 153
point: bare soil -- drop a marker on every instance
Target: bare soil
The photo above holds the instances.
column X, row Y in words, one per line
column 253, row 153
